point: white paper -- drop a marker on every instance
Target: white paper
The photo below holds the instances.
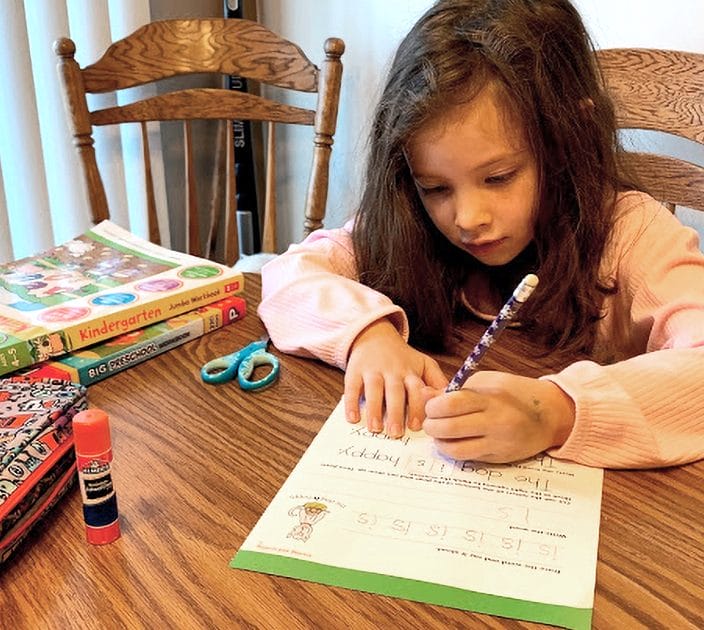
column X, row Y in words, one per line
column 359, row 500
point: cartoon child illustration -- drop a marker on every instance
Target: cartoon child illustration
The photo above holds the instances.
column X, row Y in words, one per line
column 47, row 346
column 308, row 514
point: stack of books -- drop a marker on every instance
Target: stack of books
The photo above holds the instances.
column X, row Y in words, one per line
column 105, row 301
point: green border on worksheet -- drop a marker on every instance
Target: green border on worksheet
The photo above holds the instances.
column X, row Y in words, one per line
column 403, row 588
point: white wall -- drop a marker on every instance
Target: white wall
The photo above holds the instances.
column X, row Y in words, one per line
column 371, row 30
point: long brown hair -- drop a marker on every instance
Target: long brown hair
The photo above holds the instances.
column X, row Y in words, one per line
column 542, row 57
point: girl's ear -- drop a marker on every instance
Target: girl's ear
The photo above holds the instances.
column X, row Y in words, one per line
column 586, row 104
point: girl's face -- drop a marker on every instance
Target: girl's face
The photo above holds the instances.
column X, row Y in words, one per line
column 477, row 178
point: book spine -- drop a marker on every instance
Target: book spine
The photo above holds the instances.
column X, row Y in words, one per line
column 100, row 361
column 14, row 356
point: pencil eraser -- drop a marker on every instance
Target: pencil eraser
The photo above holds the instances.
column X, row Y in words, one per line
column 525, row 288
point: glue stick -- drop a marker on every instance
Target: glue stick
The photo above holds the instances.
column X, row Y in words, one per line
column 91, row 436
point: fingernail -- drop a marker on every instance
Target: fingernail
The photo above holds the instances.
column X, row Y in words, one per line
column 394, row 430
column 353, row 417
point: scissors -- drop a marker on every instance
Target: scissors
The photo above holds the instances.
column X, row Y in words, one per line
column 242, row 364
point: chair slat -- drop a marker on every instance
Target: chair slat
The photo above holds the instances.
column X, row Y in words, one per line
column 669, row 179
column 79, row 120
column 269, row 233
column 167, row 48
column 325, row 123
column 204, row 103
column 192, row 227
column 216, row 196
column 152, row 221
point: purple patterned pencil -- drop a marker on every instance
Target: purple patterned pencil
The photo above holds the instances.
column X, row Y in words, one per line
column 506, row 314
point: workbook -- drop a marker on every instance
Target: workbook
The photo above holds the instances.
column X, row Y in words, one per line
column 396, row 517
column 102, row 284
column 101, row 360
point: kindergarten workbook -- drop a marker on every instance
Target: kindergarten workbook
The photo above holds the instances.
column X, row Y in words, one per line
column 102, row 284
column 94, row 363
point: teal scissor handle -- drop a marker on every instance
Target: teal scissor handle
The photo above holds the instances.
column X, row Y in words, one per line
column 241, row 364
column 258, row 357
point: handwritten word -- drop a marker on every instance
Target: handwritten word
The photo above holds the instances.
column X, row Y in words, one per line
column 463, row 538
column 362, row 431
column 364, row 453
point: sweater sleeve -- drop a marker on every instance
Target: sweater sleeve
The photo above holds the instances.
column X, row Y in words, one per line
column 312, row 302
column 646, row 410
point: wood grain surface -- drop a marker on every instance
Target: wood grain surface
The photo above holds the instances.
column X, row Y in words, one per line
column 659, row 90
column 228, row 46
column 656, row 89
column 196, row 465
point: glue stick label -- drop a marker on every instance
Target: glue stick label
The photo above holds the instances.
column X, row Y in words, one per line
column 99, row 498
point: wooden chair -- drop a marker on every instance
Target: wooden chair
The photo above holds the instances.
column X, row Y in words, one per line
column 171, row 48
column 660, row 90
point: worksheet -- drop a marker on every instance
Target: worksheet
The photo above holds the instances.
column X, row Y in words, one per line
column 394, row 516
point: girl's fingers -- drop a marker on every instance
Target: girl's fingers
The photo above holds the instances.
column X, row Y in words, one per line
column 416, row 402
column 374, row 401
column 395, row 407
column 475, row 449
column 391, row 400
column 461, row 402
column 353, row 395
column 450, row 427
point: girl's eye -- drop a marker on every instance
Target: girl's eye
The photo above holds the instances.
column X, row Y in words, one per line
column 502, row 178
column 430, row 190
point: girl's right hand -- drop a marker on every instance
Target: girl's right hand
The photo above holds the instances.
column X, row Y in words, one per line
column 390, row 375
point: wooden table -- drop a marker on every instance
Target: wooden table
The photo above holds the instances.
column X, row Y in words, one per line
column 195, row 466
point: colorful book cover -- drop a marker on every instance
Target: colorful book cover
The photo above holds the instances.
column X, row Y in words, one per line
column 95, row 363
column 102, row 284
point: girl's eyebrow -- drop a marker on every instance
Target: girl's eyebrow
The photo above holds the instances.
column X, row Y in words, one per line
column 484, row 165
column 500, row 158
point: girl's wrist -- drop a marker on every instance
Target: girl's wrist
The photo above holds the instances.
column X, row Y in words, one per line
column 381, row 327
column 561, row 413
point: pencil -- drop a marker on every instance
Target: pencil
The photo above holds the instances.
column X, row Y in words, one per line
column 506, row 314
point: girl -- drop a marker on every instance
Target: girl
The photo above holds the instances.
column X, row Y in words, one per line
column 494, row 154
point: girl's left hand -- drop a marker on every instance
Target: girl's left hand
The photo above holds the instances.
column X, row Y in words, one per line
column 498, row 417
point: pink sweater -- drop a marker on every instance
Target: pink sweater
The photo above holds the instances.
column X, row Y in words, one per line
column 645, row 409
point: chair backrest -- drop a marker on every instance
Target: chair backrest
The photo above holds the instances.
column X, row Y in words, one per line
column 659, row 90
column 226, row 46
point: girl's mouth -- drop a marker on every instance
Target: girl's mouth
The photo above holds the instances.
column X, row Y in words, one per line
column 483, row 248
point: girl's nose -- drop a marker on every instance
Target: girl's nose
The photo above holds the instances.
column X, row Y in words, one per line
column 472, row 213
